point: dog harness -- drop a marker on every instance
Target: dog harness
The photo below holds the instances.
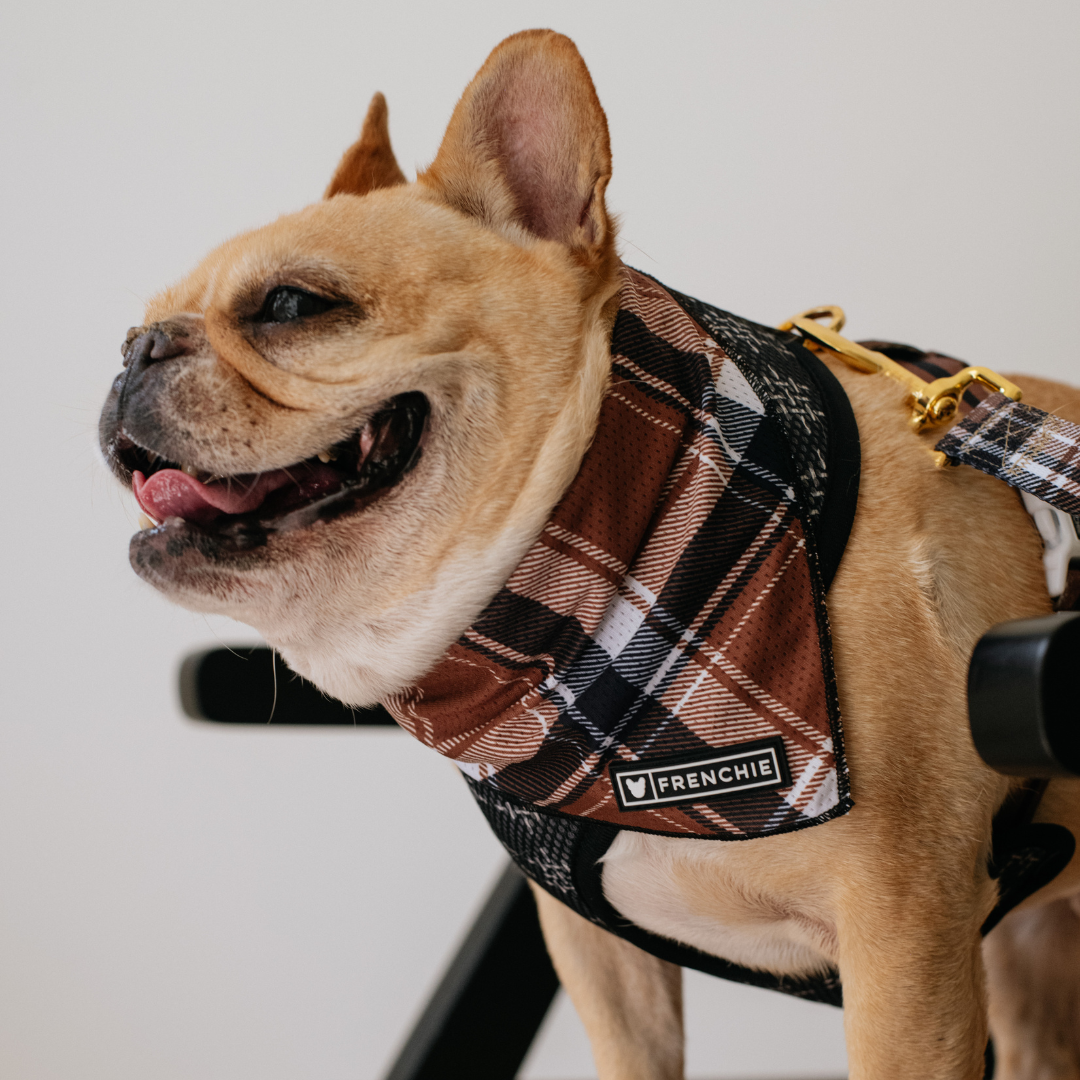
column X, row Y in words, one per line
column 660, row 659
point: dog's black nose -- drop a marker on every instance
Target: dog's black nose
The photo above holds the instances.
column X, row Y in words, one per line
column 151, row 346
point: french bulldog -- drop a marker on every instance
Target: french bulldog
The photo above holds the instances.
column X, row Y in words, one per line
column 347, row 427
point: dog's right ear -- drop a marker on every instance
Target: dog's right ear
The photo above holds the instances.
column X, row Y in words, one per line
column 528, row 146
column 369, row 163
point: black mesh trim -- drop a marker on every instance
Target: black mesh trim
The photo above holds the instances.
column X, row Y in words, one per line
column 542, row 845
column 843, row 458
column 763, row 356
column 562, row 855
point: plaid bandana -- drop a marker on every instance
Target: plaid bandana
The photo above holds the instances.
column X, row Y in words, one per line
column 660, row 658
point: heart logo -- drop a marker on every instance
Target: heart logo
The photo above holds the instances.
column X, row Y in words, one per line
column 636, row 787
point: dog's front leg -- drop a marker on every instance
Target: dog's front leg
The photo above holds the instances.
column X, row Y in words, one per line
column 630, row 1002
column 914, row 998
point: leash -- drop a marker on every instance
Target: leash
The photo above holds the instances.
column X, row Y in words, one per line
column 1029, row 449
column 932, row 403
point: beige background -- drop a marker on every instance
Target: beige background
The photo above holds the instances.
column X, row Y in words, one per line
column 180, row 902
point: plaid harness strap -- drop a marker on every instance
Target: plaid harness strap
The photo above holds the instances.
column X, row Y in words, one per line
column 671, row 612
column 1027, row 448
column 1031, row 450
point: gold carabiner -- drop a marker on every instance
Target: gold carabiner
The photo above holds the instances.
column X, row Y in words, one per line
column 931, row 403
column 834, row 314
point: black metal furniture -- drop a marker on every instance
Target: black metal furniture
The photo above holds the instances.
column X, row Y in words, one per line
column 1022, row 696
column 485, row 1013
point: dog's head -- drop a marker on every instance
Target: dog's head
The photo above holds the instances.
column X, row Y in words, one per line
column 350, row 424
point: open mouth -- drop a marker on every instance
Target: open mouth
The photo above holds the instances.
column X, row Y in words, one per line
column 243, row 509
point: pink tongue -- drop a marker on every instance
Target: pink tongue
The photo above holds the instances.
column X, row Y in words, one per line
column 172, row 493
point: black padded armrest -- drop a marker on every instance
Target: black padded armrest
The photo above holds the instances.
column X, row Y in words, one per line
column 247, row 685
column 1023, row 699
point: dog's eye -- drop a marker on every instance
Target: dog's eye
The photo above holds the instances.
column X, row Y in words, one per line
column 286, row 303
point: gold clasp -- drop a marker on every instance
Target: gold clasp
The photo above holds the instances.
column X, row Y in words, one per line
column 931, row 403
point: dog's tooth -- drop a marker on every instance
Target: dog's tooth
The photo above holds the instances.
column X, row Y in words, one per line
column 146, row 522
column 367, row 440
column 324, row 457
column 190, row 470
column 152, row 456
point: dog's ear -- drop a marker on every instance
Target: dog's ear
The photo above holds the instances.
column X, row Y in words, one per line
column 528, row 145
column 369, row 163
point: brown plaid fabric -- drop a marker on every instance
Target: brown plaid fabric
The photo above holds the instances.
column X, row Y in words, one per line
column 670, row 608
column 1027, row 448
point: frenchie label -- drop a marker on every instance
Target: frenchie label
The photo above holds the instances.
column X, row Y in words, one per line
column 725, row 771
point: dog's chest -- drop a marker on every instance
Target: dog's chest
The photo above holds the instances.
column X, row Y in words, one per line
column 657, row 883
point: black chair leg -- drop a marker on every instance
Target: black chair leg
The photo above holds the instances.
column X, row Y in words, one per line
column 484, row 1015
column 486, row 1011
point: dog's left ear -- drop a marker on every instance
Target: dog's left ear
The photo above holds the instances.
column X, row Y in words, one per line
column 528, row 146
column 369, row 163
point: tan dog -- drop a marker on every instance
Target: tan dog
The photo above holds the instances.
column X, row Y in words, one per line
column 448, row 342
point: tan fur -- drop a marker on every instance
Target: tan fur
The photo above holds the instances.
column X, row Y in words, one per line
column 935, row 558
column 489, row 286
column 1034, row 958
column 369, row 163
column 634, row 1018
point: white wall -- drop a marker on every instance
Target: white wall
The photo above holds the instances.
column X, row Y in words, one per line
column 182, row 902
